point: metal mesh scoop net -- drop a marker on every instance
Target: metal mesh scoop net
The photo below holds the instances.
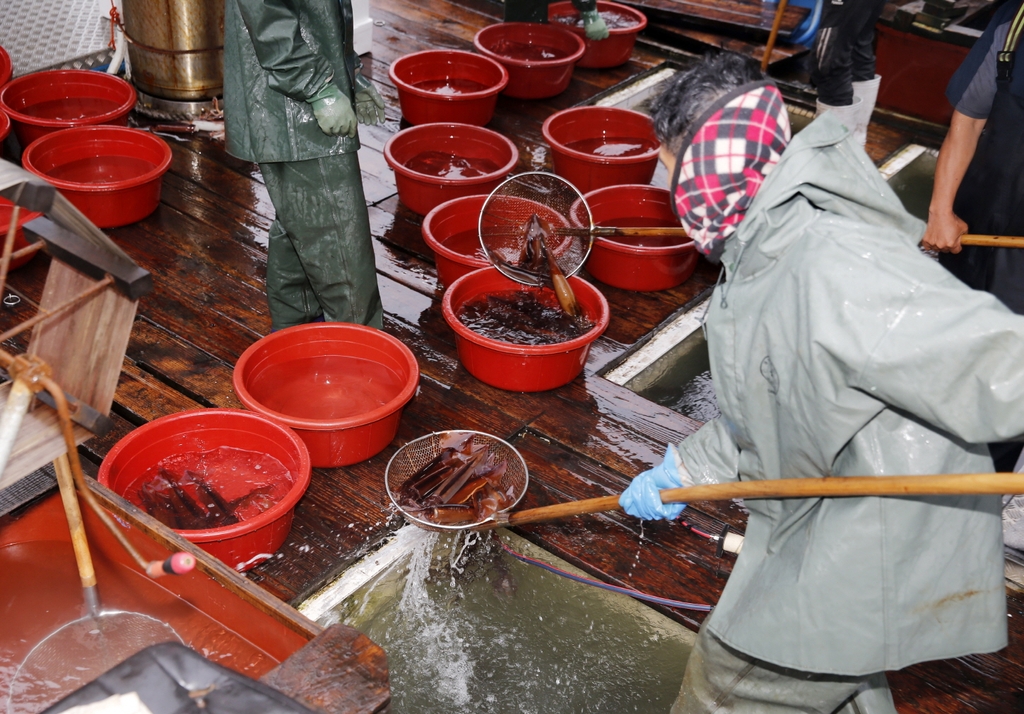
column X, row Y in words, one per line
column 559, row 206
column 442, row 481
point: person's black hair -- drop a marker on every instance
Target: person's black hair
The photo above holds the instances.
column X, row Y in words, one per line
column 694, row 89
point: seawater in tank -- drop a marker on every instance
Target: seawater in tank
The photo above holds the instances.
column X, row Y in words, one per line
column 469, row 628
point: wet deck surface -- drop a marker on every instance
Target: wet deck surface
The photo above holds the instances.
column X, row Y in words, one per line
column 205, row 246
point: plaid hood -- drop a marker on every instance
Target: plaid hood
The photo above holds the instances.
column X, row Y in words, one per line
column 724, row 159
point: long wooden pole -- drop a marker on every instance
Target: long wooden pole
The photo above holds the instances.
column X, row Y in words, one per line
column 766, row 60
column 992, row 241
column 828, row 487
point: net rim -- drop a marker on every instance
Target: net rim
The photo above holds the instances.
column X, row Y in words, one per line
column 430, row 525
column 519, row 177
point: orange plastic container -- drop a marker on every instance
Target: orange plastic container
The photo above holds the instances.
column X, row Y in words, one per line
column 615, row 49
column 447, row 86
column 452, row 230
column 640, row 264
column 427, row 160
column 539, row 58
column 594, row 147
column 521, row 368
column 42, row 102
column 248, row 542
column 112, row 174
column 340, row 386
column 24, row 216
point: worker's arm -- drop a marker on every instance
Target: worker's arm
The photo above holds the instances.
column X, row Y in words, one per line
column 294, row 69
column 944, row 227
column 711, row 455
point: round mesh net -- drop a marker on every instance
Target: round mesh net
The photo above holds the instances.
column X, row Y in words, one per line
column 414, row 456
column 80, row 651
column 506, row 215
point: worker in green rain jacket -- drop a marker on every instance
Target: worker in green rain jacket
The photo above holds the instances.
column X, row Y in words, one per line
column 293, row 94
column 837, row 348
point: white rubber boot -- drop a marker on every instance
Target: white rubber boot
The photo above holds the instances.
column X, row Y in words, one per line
column 868, row 93
column 848, row 115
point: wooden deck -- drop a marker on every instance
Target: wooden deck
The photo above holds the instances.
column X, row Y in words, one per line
column 206, row 247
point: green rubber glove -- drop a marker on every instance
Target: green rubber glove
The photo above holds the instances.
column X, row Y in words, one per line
column 333, row 111
column 369, row 104
column 594, row 26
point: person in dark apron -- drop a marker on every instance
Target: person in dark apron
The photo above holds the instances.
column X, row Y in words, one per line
column 979, row 178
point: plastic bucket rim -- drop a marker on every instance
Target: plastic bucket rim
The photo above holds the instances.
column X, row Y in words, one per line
column 438, row 246
column 376, row 415
column 402, row 169
column 555, row 7
column 491, row 91
column 573, row 58
column 122, row 109
column 584, row 340
column 593, row 158
column 41, row 143
column 205, row 535
column 6, row 67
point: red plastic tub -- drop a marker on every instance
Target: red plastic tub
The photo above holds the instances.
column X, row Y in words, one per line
column 341, row 386
column 539, row 58
column 434, row 163
column 594, row 147
column 447, row 86
column 24, row 216
column 624, row 24
column 641, row 264
column 521, row 368
column 192, row 436
column 111, row 174
column 6, row 68
column 5, row 129
column 42, row 102
column 452, row 230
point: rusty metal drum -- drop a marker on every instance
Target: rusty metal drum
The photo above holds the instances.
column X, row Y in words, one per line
column 176, row 47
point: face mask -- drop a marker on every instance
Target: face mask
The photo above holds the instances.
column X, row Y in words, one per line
column 724, row 160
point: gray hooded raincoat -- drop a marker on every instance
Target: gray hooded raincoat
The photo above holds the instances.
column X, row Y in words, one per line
column 839, row 349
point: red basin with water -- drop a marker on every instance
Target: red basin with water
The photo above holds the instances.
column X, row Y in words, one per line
column 111, row 174
column 452, row 230
column 642, row 264
column 624, row 24
column 341, row 387
column 222, row 447
column 447, row 86
column 594, row 147
column 24, row 216
column 539, row 57
column 521, row 368
column 43, row 102
column 5, row 129
column 434, row 163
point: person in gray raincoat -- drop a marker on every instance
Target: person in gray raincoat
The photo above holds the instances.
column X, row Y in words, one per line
column 837, row 348
column 293, row 94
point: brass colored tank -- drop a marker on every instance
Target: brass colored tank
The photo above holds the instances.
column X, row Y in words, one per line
column 176, row 47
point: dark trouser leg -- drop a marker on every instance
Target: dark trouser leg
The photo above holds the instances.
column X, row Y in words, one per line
column 843, row 49
column 320, row 206
column 719, row 679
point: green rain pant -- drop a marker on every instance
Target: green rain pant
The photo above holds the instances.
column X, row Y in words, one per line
column 720, row 679
column 320, row 258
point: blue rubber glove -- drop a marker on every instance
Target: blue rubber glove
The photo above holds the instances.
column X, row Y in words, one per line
column 333, row 111
column 369, row 104
column 643, row 498
column 594, row 26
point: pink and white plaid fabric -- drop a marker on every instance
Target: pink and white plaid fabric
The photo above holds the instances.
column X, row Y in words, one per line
column 723, row 167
